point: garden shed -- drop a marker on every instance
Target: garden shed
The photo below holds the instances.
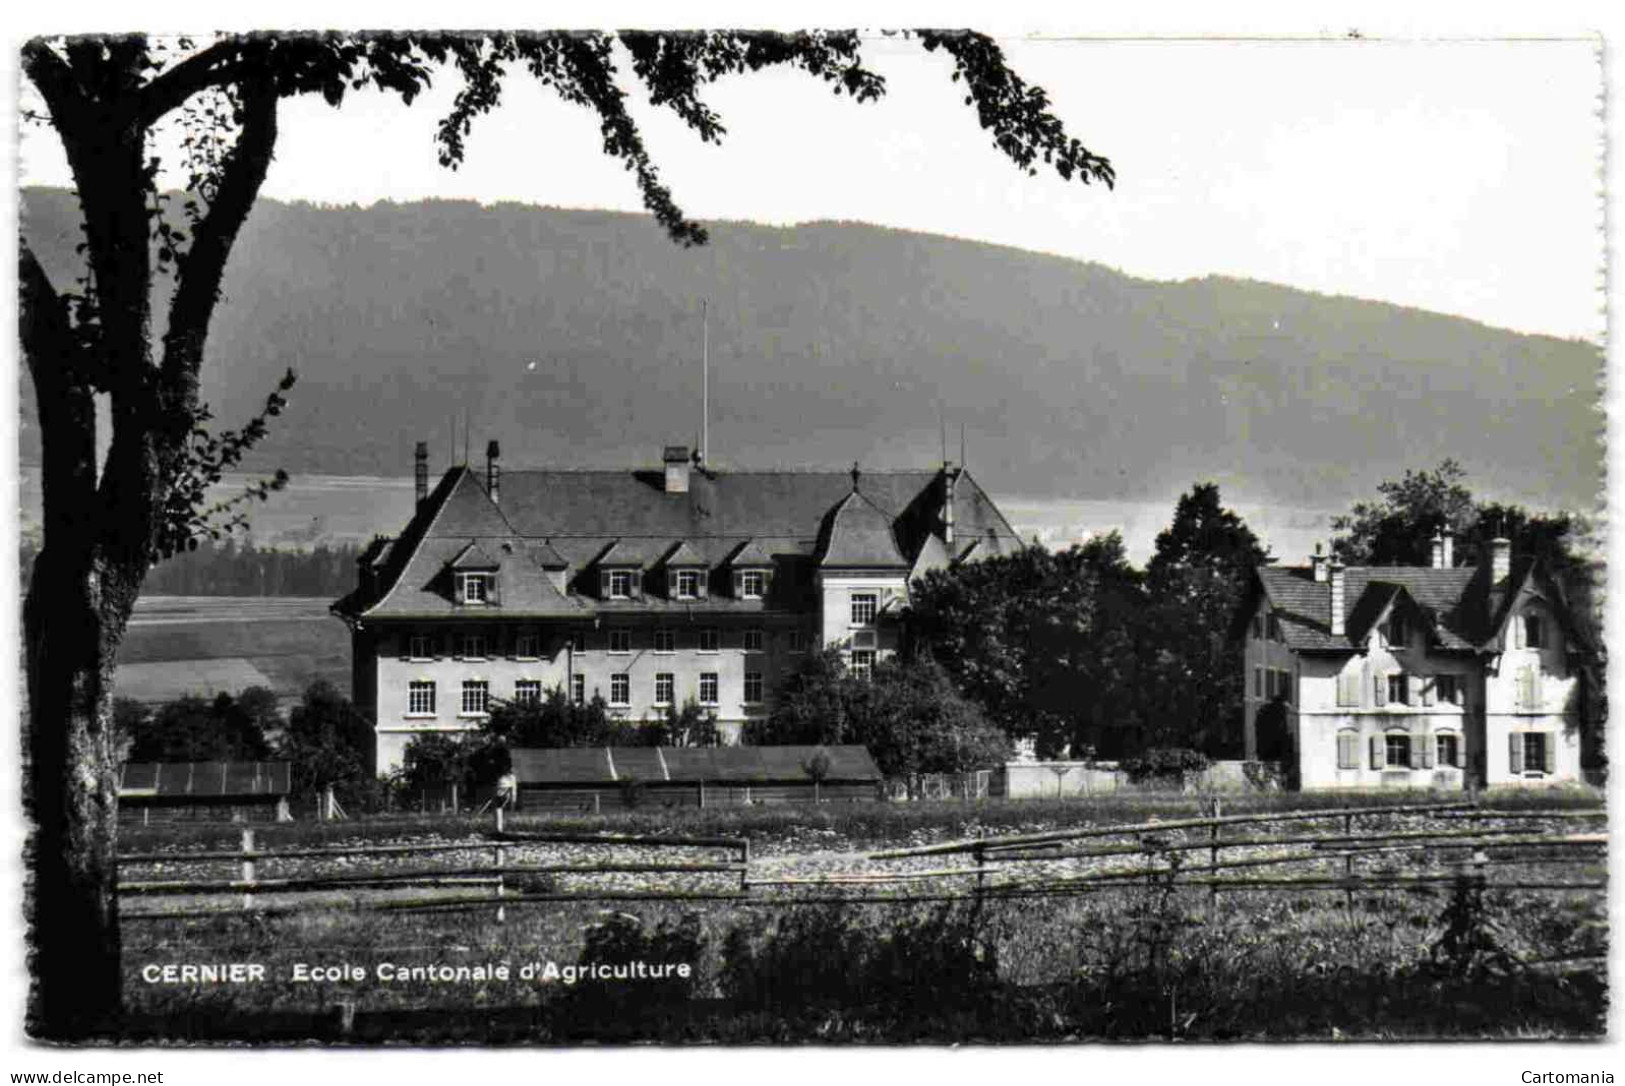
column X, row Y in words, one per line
column 598, row 778
column 204, row 791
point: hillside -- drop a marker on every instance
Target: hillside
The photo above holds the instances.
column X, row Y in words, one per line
column 574, row 337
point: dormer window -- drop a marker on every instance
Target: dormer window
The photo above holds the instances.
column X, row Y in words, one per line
column 619, row 583
column 477, row 587
column 752, row 584
column 1534, row 630
column 1397, row 633
column 688, row 584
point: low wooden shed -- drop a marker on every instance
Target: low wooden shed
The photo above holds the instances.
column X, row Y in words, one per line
column 599, row 778
column 203, row 791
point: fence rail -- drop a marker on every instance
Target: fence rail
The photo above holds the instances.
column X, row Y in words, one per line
column 1020, row 865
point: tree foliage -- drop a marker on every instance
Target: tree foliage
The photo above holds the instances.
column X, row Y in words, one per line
column 195, row 729
column 326, row 743
column 907, row 713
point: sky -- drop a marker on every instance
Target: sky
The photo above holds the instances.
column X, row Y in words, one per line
column 1459, row 176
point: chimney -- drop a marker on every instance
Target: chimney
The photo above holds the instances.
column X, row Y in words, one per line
column 1317, row 561
column 1438, row 550
column 1335, row 575
column 1500, row 559
column 950, row 481
column 420, row 471
column 678, row 464
column 1449, row 549
column 493, row 472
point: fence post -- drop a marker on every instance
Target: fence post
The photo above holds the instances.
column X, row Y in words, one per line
column 502, row 910
column 1213, row 850
column 744, row 865
column 248, row 869
column 702, row 793
column 980, row 852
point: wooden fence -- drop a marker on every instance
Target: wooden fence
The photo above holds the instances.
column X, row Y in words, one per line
column 1020, row 865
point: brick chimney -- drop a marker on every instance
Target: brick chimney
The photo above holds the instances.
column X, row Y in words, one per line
column 1335, row 575
column 420, row 471
column 1318, row 562
column 493, row 472
column 1500, row 559
column 678, row 463
column 1438, row 550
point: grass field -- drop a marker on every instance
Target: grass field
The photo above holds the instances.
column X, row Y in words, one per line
column 179, row 645
column 1139, row 961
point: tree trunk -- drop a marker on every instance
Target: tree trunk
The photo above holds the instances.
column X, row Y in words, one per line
column 71, row 792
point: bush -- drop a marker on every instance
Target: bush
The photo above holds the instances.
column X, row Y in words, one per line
column 1172, row 765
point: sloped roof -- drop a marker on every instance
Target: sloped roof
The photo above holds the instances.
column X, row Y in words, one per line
column 858, row 534
column 473, row 556
column 203, row 780
column 933, row 555
column 1460, row 608
column 720, row 765
column 685, row 554
column 570, row 519
column 752, row 553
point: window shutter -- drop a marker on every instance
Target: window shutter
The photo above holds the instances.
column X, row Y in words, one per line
column 1347, row 692
column 1551, row 752
column 1413, row 685
column 1379, row 752
column 1348, row 750
column 1461, row 752
column 1537, row 692
column 493, row 589
column 603, row 584
column 1515, row 752
column 1517, row 632
column 1379, row 688
column 1423, row 745
column 1430, row 690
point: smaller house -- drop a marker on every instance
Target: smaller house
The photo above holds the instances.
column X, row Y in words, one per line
column 599, row 778
column 204, row 791
column 1416, row 676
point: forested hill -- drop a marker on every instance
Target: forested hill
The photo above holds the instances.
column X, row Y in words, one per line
column 574, row 337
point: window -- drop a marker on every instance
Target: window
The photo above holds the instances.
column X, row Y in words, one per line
column 753, row 640
column 1283, row 686
column 753, row 687
column 1534, row 753
column 420, row 647
column 1397, row 751
column 708, row 688
column 527, row 692
column 1348, row 750
column 1258, row 682
column 1447, row 689
column 864, row 607
column 473, row 646
column 420, row 698
column 710, row 639
column 578, row 641
column 1274, row 628
column 688, row 584
column 1396, row 631
column 1398, row 688
column 620, row 688
column 798, row 641
column 1258, row 627
column 1534, row 631
column 620, row 641
column 476, row 697
column 476, row 587
column 863, row 663
column 578, row 689
column 665, row 640
column 665, row 688
column 1448, row 748
column 620, row 584
column 524, row 646
column 752, row 584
